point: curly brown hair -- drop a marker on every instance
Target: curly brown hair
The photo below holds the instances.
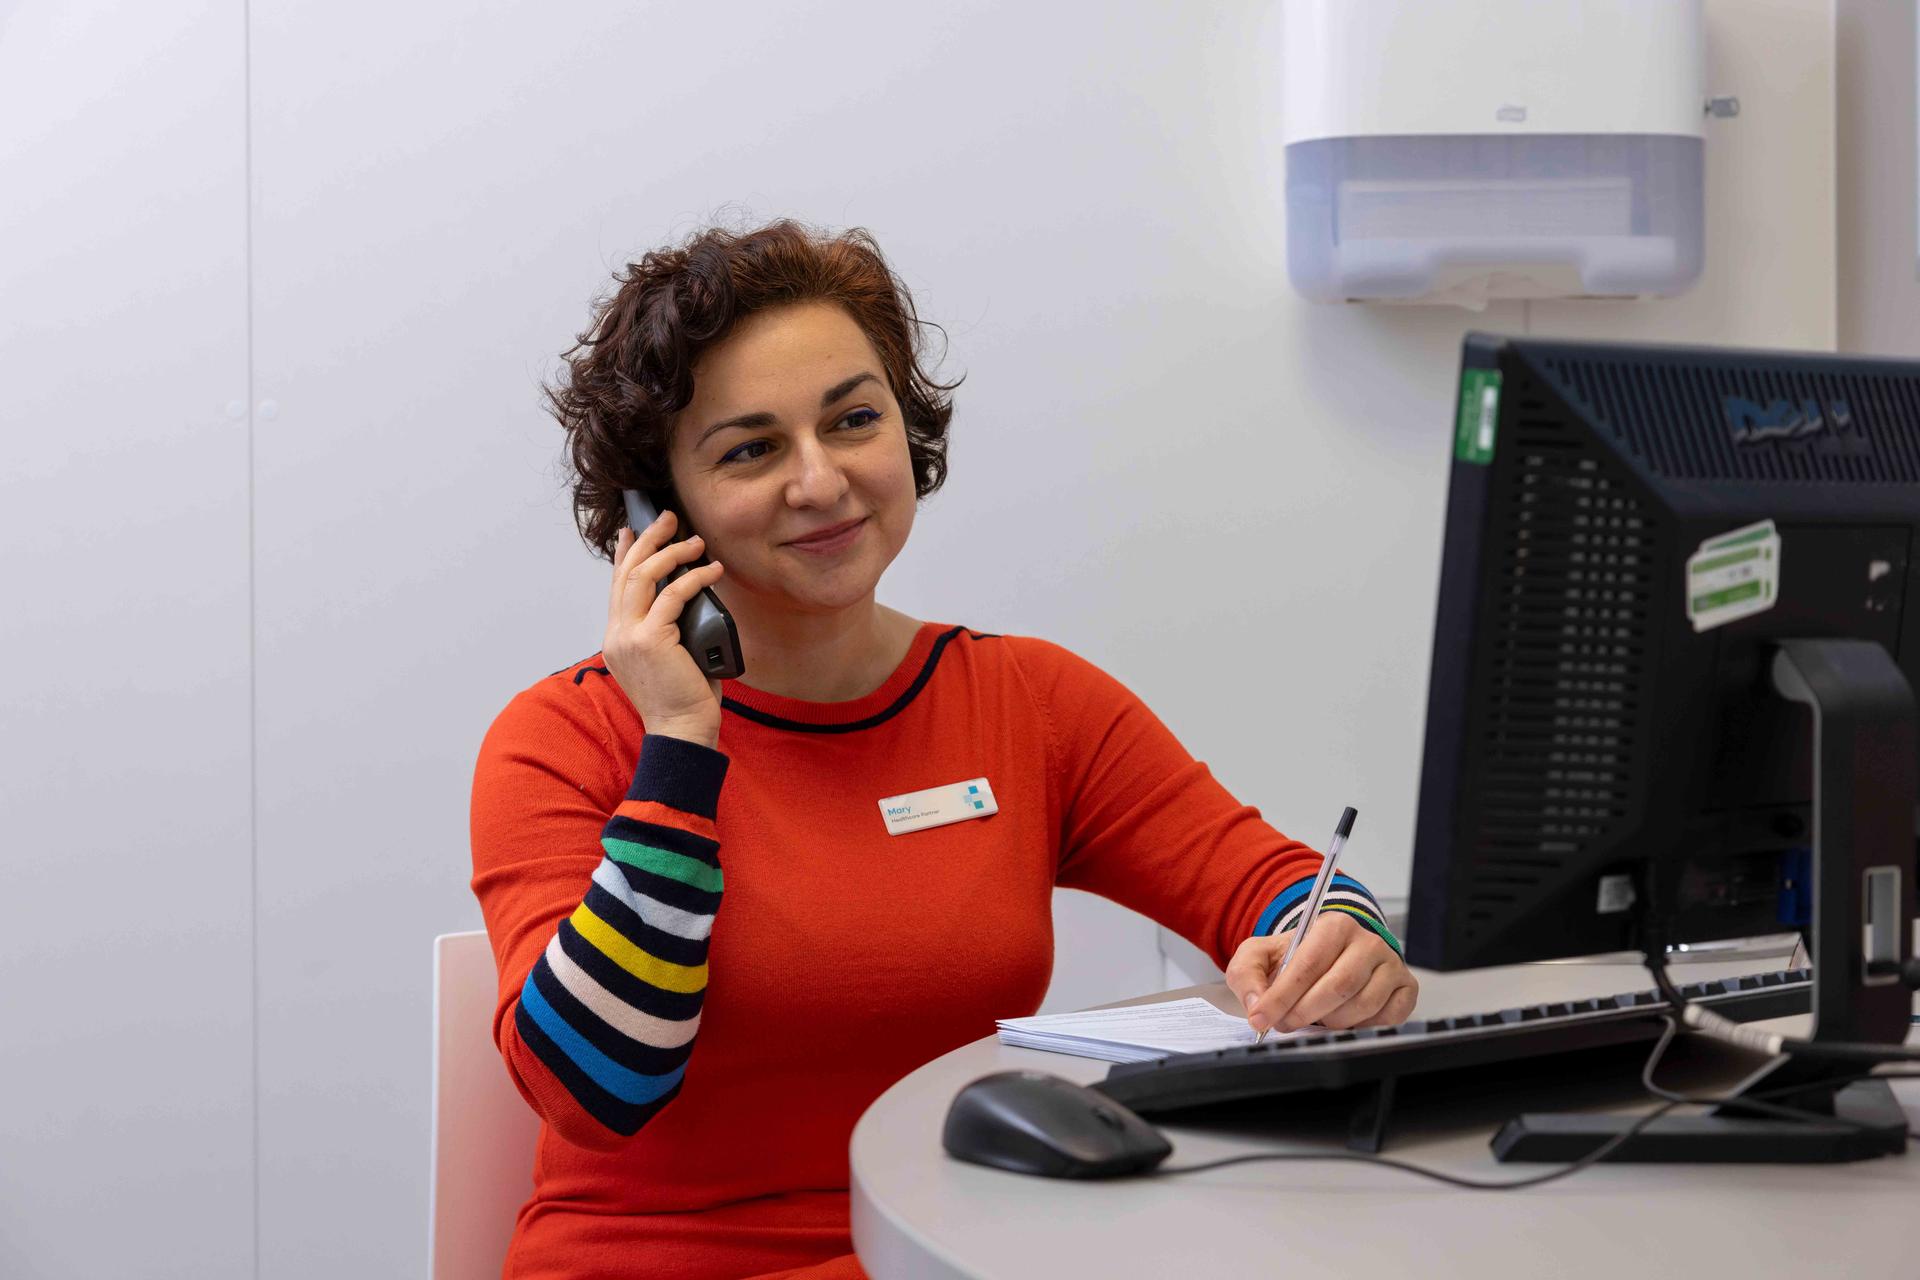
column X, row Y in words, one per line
column 632, row 370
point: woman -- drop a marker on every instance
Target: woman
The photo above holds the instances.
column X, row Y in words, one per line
column 699, row 1050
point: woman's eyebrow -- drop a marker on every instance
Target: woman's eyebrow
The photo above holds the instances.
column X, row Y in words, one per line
column 754, row 421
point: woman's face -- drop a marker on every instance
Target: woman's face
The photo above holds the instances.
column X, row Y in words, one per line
column 793, row 432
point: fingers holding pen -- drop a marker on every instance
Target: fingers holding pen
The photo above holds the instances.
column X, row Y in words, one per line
column 1352, row 990
column 1246, row 972
column 1250, row 970
column 1353, row 980
column 1311, row 960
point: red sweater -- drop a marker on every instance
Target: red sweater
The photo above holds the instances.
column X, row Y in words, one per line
column 699, row 1052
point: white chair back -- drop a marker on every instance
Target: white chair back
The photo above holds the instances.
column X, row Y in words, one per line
column 484, row 1133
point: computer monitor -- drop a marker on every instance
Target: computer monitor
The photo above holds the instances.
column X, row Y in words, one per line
column 1663, row 567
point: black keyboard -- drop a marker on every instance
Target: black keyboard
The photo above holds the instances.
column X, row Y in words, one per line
column 1381, row 1055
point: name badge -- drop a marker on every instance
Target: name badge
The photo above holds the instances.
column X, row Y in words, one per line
column 937, row 806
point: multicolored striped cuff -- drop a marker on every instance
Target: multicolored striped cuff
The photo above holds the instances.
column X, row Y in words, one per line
column 613, row 1005
column 1345, row 894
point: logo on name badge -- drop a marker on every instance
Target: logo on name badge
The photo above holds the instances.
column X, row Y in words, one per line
column 937, row 806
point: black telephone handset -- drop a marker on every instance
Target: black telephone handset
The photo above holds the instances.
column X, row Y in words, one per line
column 706, row 628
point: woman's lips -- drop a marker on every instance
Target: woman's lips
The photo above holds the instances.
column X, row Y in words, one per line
column 831, row 540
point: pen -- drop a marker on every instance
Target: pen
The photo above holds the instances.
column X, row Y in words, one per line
column 1317, row 893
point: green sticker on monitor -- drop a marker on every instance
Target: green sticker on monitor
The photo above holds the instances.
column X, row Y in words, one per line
column 1479, row 411
column 1733, row 576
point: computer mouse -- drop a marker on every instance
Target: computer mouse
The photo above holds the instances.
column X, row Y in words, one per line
column 1031, row 1122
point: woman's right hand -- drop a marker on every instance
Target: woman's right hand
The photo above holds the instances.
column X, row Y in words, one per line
column 642, row 648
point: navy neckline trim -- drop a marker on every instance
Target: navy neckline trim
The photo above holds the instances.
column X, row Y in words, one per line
column 898, row 705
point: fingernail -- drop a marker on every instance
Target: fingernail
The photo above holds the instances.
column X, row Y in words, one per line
column 1253, row 998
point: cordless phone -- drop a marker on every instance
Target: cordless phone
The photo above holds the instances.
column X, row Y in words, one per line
column 706, row 628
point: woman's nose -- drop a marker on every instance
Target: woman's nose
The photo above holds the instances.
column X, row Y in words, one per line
column 818, row 480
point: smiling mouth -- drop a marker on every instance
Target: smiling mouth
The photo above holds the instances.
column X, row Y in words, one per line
column 828, row 535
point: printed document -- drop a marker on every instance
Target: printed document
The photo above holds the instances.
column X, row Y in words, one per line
column 1136, row 1033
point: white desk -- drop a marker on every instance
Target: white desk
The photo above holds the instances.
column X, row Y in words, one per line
column 918, row 1213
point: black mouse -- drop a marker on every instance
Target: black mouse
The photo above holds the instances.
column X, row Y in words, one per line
column 1031, row 1122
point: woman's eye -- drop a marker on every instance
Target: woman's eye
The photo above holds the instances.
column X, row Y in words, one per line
column 739, row 453
column 754, row 450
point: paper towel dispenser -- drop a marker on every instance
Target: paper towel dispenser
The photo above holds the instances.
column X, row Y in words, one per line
column 1463, row 150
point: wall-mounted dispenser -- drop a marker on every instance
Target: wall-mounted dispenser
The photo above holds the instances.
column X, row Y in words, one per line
column 1462, row 150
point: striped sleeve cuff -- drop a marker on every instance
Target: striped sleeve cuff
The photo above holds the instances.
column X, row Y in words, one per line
column 1345, row 894
column 613, row 1005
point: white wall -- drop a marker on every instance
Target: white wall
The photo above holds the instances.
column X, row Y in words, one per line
column 1876, row 48
column 1769, row 279
column 126, row 894
column 1161, row 458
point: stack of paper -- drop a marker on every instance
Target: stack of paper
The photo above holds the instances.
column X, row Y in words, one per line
column 1136, row 1033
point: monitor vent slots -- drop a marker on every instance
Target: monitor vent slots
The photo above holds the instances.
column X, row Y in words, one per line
column 1567, row 640
column 1781, row 426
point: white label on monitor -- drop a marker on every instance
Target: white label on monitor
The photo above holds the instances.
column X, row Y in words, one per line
column 1733, row 576
column 1616, row 895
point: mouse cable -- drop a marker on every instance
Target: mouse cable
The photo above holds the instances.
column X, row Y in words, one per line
column 1772, row 1043
column 1599, row 1153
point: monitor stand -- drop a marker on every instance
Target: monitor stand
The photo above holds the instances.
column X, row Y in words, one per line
column 1864, row 788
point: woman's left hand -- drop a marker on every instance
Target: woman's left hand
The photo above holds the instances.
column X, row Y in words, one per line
column 1344, row 975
